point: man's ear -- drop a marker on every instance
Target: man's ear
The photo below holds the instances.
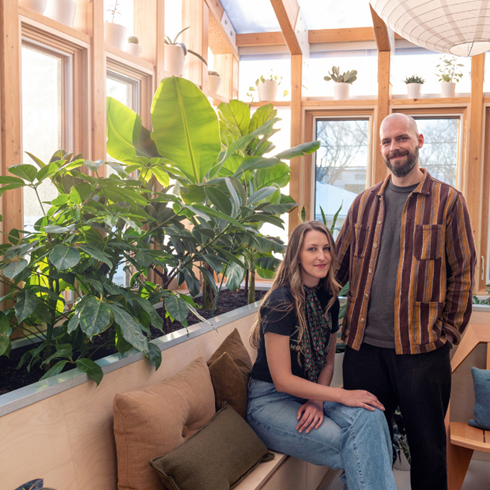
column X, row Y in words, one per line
column 421, row 140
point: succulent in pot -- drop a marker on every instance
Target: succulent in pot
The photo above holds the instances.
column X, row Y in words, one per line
column 414, row 86
column 267, row 87
column 214, row 81
column 343, row 81
column 133, row 47
column 114, row 33
column 175, row 54
column 449, row 74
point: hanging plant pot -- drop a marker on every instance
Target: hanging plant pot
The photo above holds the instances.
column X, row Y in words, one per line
column 341, row 91
column 267, row 89
column 174, row 59
column 214, row 83
column 62, row 11
column 114, row 35
column 448, row 89
column 36, row 5
column 414, row 90
column 134, row 49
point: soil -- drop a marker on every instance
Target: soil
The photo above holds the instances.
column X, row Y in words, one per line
column 12, row 378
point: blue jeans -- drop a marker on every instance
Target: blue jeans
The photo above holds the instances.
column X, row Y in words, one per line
column 354, row 439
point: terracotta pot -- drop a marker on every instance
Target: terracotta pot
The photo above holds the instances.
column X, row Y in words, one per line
column 114, row 35
column 448, row 89
column 341, row 90
column 268, row 90
column 36, row 5
column 174, row 59
column 414, row 90
column 134, row 49
column 214, row 83
column 62, row 11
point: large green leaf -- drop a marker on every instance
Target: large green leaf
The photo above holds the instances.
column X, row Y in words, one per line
column 93, row 370
column 235, row 119
column 25, row 304
column 176, row 307
column 156, row 319
column 97, row 254
column 94, row 316
column 56, row 369
column 185, row 127
column 130, row 328
column 24, row 171
column 155, row 355
column 234, row 276
column 4, row 333
column 261, row 194
column 261, row 116
column 7, row 179
column 278, row 174
column 63, row 257
column 15, row 268
column 299, row 151
column 219, row 199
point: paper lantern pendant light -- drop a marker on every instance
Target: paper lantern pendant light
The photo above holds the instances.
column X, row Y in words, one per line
column 458, row 27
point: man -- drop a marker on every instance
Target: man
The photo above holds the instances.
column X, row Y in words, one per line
column 407, row 250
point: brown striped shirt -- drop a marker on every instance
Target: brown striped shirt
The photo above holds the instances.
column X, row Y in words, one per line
column 436, row 270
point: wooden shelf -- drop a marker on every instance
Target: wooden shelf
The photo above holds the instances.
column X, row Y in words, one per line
column 276, row 103
column 432, row 101
column 339, row 103
column 134, row 61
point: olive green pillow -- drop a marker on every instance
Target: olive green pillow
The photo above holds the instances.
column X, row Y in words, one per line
column 218, row 457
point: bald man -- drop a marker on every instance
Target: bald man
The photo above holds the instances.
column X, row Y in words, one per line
column 407, row 250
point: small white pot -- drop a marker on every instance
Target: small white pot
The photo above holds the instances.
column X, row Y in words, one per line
column 36, row 5
column 414, row 90
column 114, row 34
column 214, row 83
column 448, row 89
column 341, row 90
column 174, row 59
column 268, row 89
column 62, row 11
column 134, row 49
column 337, row 380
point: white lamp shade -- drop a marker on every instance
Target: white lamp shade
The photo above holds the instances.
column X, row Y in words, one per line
column 457, row 27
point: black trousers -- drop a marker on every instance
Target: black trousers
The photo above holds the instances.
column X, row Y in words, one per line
column 421, row 385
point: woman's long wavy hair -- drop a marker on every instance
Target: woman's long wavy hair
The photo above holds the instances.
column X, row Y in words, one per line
column 289, row 275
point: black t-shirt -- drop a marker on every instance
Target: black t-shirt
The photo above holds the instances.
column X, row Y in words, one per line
column 286, row 323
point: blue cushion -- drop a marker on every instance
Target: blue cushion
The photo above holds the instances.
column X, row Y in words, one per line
column 481, row 382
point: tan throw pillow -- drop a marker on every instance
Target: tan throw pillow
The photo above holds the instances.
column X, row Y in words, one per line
column 230, row 368
column 157, row 419
column 218, row 457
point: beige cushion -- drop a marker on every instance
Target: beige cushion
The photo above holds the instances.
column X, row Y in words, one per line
column 157, row 419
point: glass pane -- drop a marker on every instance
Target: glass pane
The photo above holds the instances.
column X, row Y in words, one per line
column 120, row 12
column 251, row 15
column 41, row 121
column 173, row 18
column 123, row 92
column 320, row 14
column 341, row 166
column 422, row 62
column 365, row 61
column 439, row 155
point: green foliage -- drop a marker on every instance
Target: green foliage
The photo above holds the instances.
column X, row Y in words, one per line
column 213, row 72
column 262, row 78
column 174, row 42
column 133, row 40
column 414, row 79
column 449, row 69
column 113, row 10
column 336, row 76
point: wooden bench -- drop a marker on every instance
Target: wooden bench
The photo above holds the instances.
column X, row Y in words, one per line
column 463, row 439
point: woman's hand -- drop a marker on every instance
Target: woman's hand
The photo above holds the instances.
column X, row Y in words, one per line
column 310, row 416
column 360, row 398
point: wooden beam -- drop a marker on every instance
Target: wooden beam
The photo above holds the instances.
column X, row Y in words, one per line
column 383, row 34
column 354, row 34
column 472, row 184
column 10, row 110
column 160, row 43
column 145, row 27
column 196, row 15
column 219, row 42
column 260, row 39
column 287, row 14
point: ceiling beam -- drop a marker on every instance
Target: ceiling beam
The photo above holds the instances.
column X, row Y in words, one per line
column 340, row 35
column 287, row 15
column 260, row 39
column 219, row 42
column 385, row 39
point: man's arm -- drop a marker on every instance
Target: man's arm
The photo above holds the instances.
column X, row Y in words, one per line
column 343, row 244
column 460, row 262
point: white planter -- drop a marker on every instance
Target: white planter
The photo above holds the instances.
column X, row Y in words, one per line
column 174, row 59
column 337, row 379
column 341, row 90
column 134, row 49
column 36, row 5
column 448, row 89
column 214, row 83
column 414, row 90
column 268, row 89
column 62, row 11
column 114, row 35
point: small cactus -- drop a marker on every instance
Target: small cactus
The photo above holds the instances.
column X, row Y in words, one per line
column 213, row 72
column 346, row 77
column 133, row 40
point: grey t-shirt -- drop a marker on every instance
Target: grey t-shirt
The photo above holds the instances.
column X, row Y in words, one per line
column 381, row 312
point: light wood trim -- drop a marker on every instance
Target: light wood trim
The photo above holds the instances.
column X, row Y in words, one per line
column 145, row 27
column 219, row 42
column 319, row 103
column 10, row 109
column 82, row 16
column 160, row 72
column 287, row 14
column 353, row 34
column 382, row 33
column 194, row 38
column 485, row 218
column 260, row 39
column 236, row 68
column 49, row 25
column 224, row 64
column 436, row 101
column 470, row 437
column 276, row 103
column 130, row 60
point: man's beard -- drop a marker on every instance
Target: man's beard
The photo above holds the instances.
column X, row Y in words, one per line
column 402, row 170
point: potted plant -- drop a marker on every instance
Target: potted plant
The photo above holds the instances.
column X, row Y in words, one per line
column 267, row 87
column 449, row 74
column 114, row 34
column 36, row 5
column 214, row 81
column 133, row 47
column 62, row 11
column 341, row 88
column 414, row 86
column 175, row 54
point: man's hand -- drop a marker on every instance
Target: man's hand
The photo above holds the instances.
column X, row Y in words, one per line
column 310, row 416
column 360, row 398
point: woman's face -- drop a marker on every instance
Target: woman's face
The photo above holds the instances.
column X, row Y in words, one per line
column 314, row 257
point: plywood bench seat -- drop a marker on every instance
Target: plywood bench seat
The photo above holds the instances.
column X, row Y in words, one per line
column 464, row 435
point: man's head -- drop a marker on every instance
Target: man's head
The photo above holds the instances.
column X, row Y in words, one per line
column 400, row 143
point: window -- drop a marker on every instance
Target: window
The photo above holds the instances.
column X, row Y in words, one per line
column 173, row 19
column 46, row 116
column 341, row 165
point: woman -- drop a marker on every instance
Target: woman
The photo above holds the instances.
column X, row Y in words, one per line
column 291, row 405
